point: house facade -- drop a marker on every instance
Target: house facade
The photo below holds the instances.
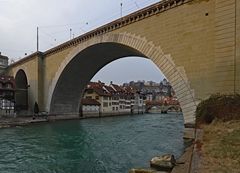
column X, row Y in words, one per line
column 7, row 95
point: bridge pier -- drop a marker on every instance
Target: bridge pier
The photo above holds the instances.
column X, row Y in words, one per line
column 40, row 81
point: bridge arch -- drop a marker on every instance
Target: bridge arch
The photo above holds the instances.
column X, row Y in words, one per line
column 21, row 95
column 89, row 57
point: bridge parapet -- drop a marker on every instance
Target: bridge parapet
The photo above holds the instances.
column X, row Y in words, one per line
column 26, row 59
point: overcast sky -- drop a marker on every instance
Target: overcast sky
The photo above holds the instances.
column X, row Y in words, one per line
column 19, row 20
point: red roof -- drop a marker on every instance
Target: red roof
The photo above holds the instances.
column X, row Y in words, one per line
column 109, row 89
column 99, row 91
column 98, row 84
column 117, row 88
column 113, row 89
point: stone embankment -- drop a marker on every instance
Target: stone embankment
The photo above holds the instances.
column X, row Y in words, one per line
column 26, row 120
column 11, row 122
column 21, row 121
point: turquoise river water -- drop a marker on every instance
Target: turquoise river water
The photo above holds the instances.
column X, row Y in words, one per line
column 99, row 145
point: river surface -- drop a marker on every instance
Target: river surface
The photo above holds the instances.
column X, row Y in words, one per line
column 99, row 145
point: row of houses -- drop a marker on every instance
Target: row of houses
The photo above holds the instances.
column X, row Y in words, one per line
column 100, row 100
column 153, row 91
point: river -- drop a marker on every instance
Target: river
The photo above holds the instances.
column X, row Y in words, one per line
column 98, row 145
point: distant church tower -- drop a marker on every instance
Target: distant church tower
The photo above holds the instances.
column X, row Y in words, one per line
column 3, row 63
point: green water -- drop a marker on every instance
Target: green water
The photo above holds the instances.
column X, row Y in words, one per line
column 111, row 145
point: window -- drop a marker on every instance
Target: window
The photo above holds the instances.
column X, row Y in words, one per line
column 8, row 85
column 113, row 108
column 88, row 97
column 105, row 98
column 97, row 97
column 105, row 104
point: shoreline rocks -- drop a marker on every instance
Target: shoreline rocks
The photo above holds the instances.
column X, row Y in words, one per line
column 163, row 163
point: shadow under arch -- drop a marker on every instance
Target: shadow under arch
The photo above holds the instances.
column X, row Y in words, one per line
column 21, row 94
column 88, row 58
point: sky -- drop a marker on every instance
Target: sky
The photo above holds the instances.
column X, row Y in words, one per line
column 60, row 20
column 146, row 70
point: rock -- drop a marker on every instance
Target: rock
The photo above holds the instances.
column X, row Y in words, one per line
column 163, row 163
column 144, row 171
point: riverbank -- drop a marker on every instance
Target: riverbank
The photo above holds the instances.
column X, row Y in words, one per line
column 216, row 149
column 27, row 120
column 219, row 149
column 19, row 121
column 184, row 162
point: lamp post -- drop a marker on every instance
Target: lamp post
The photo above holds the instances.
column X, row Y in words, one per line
column 37, row 40
column 121, row 4
column 70, row 33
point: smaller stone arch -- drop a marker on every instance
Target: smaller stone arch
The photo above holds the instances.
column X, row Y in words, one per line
column 21, row 94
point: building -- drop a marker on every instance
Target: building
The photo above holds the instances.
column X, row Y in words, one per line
column 7, row 95
column 96, row 91
column 3, row 63
column 153, row 91
column 139, row 103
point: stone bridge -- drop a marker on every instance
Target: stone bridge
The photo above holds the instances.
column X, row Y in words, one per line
column 195, row 43
column 163, row 108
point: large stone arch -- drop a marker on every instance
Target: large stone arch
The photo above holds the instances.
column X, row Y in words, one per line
column 134, row 46
column 21, row 94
